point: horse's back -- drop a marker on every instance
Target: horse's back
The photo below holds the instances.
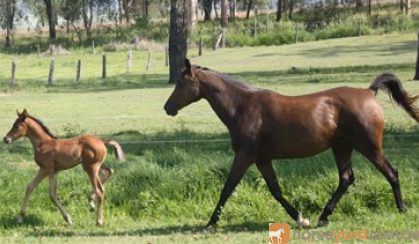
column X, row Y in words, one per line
column 300, row 126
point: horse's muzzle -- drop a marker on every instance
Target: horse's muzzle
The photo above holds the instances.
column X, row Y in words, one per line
column 170, row 108
column 7, row 140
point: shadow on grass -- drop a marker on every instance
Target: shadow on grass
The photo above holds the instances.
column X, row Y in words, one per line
column 10, row 222
column 161, row 231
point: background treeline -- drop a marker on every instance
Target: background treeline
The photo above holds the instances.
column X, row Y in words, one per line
column 78, row 23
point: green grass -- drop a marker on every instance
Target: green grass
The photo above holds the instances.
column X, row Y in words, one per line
column 167, row 191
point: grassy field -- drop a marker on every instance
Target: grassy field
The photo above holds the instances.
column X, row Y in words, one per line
column 167, row 190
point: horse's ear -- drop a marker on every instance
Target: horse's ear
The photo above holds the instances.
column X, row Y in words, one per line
column 25, row 113
column 188, row 66
column 17, row 112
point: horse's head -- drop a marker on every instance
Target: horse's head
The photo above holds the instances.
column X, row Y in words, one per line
column 186, row 91
column 19, row 128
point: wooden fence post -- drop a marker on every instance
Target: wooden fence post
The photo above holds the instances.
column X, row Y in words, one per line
column 51, row 72
column 200, row 46
column 149, row 60
column 213, row 37
column 359, row 27
column 103, row 66
column 78, row 70
column 93, row 47
column 13, row 80
column 38, row 50
column 255, row 27
column 267, row 20
column 129, row 61
column 416, row 77
column 296, row 32
column 167, row 56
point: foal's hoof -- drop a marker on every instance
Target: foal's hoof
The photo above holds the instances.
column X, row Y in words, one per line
column 68, row 220
column 19, row 220
column 322, row 223
column 305, row 223
column 99, row 223
column 92, row 206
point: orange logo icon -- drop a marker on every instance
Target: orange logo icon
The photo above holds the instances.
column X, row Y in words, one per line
column 279, row 233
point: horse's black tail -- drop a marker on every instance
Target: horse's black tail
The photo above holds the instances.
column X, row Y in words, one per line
column 391, row 84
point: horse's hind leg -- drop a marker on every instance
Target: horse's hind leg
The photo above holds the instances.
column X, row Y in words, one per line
column 268, row 173
column 54, row 197
column 105, row 173
column 383, row 165
column 342, row 156
column 93, row 172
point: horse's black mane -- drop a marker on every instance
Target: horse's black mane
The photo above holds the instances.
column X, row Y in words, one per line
column 225, row 77
column 40, row 123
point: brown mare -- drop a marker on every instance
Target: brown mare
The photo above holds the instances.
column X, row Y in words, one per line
column 264, row 125
column 54, row 155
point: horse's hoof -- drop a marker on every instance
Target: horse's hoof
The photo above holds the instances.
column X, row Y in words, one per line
column 322, row 223
column 305, row 223
column 19, row 220
column 68, row 220
column 403, row 209
column 99, row 223
column 209, row 227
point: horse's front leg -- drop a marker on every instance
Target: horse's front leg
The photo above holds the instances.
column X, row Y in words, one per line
column 241, row 163
column 54, row 197
column 42, row 173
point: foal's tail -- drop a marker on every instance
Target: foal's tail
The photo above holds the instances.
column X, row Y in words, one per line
column 391, row 84
column 118, row 150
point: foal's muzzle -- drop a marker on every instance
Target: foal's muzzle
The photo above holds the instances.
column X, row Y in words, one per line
column 7, row 140
column 170, row 108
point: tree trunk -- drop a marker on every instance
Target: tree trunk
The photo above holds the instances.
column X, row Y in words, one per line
column 279, row 11
column 214, row 2
column 369, row 7
column 408, row 6
column 194, row 13
column 179, row 24
column 416, row 77
column 87, row 9
column 126, row 4
column 224, row 16
column 402, row 5
column 207, row 4
column 233, row 4
column 290, row 9
column 51, row 20
column 249, row 6
column 10, row 15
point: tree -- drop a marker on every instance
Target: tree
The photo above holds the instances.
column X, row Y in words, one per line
column 207, row 6
column 249, row 7
column 279, row 11
column 87, row 15
column 416, row 77
column 52, row 20
column 224, row 21
column 7, row 16
column 233, row 4
column 70, row 11
column 180, row 22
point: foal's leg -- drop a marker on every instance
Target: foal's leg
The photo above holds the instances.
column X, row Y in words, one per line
column 391, row 174
column 93, row 173
column 240, row 164
column 54, row 197
column 42, row 173
column 106, row 172
column 342, row 156
column 268, row 173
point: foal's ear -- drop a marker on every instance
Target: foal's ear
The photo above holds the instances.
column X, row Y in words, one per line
column 188, row 66
column 17, row 112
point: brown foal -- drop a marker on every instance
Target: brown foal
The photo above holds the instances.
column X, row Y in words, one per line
column 54, row 155
column 264, row 125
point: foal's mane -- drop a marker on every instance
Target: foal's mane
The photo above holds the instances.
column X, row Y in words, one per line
column 40, row 123
column 224, row 77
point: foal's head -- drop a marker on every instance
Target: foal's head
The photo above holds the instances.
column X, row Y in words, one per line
column 19, row 128
column 186, row 91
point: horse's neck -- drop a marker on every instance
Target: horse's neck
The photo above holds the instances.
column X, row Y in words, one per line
column 36, row 134
column 225, row 98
